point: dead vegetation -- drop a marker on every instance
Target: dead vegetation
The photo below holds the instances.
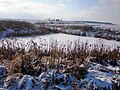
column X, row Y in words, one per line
column 10, row 28
column 86, row 30
column 71, row 59
column 15, row 25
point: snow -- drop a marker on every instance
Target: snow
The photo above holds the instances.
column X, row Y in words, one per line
column 9, row 32
column 62, row 39
column 105, row 31
column 27, row 83
column 96, row 25
column 98, row 76
column 3, row 71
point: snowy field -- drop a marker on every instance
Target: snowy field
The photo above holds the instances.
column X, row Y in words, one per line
column 62, row 39
column 96, row 25
column 98, row 77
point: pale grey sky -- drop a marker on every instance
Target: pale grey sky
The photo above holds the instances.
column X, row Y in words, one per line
column 95, row 10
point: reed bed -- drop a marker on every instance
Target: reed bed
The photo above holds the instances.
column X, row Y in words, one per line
column 71, row 58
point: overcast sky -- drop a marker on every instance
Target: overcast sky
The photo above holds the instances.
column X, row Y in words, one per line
column 95, row 10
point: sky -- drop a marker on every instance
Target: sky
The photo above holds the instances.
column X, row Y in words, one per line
column 90, row 10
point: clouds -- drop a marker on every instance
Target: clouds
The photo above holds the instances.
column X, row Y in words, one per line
column 109, row 12
column 103, row 10
column 31, row 8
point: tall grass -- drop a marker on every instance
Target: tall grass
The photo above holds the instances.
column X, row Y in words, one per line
column 62, row 58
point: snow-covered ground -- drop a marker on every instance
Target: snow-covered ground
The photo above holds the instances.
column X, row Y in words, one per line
column 105, row 31
column 62, row 39
column 9, row 32
column 98, row 76
column 103, row 26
